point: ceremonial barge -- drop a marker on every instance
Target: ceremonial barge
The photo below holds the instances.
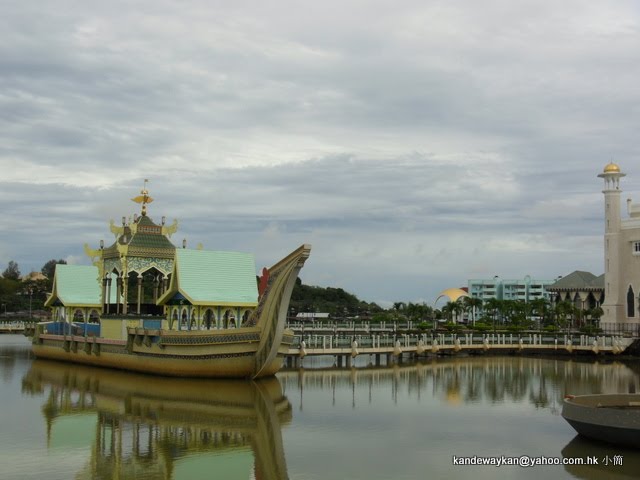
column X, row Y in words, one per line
column 147, row 306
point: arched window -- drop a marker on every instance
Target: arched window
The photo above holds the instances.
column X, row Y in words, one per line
column 631, row 303
column 208, row 318
column 183, row 320
column 228, row 319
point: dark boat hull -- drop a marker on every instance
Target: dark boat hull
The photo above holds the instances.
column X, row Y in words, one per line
column 627, row 437
column 611, row 418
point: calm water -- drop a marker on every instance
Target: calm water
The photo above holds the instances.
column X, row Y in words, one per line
column 405, row 422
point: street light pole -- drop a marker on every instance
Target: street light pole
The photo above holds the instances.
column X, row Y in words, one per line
column 30, row 297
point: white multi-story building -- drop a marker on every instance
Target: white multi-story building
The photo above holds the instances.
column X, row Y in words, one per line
column 621, row 256
column 525, row 289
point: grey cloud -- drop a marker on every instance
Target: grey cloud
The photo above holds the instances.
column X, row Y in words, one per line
column 410, row 141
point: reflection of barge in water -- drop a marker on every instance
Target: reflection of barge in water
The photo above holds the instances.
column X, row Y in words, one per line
column 149, row 307
column 612, row 418
column 153, row 427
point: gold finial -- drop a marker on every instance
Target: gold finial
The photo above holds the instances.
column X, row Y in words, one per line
column 143, row 198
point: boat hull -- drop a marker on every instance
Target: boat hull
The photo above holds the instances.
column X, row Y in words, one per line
column 219, row 354
column 611, row 418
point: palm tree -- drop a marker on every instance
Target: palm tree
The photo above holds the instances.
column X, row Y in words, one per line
column 452, row 310
column 563, row 310
column 457, row 308
column 578, row 315
column 415, row 311
column 540, row 308
column 399, row 309
column 429, row 312
column 399, row 306
column 419, row 311
column 472, row 304
column 507, row 311
column 447, row 311
column 517, row 313
column 492, row 306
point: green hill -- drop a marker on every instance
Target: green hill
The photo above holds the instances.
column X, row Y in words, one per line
column 335, row 301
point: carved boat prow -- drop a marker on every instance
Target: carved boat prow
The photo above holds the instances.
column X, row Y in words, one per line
column 271, row 314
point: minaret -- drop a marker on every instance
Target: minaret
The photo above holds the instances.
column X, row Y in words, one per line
column 613, row 305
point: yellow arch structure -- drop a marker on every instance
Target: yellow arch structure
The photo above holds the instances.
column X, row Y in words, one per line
column 452, row 293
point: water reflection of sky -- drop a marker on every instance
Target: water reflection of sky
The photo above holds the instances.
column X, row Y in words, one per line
column 393, row 423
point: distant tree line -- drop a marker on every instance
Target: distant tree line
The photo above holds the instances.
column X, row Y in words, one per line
column 518, row 315
column 17, row 295
column 466, row 312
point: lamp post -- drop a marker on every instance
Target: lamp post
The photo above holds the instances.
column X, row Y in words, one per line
column 30, row 298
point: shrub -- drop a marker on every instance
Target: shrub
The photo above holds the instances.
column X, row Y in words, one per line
column 590, row 330
column 453, row 327
column 481, row 327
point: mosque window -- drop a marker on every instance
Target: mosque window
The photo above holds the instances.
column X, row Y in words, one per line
column 636, row 248
column 631, row 309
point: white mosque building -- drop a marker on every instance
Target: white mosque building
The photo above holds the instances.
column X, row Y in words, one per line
column 621, row 257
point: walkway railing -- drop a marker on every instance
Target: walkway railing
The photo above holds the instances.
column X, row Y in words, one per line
column 381, row 343
column 11, row 327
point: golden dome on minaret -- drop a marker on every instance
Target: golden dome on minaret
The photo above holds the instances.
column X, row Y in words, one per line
column 611, row 168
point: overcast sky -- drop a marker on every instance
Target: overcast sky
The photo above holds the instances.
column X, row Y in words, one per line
column 414, row 144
